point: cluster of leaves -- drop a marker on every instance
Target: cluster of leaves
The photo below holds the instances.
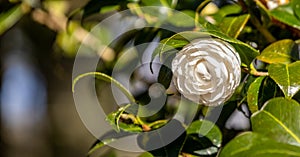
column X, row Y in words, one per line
column 270, row 69
column 266, row 41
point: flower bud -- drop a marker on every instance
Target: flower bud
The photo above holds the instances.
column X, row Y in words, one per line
column 207, row 71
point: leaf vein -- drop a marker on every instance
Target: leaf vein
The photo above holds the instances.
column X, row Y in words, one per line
column 283, row 126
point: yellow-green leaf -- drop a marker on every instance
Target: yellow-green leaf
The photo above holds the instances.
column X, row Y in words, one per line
column 10, row 17
column 233, row 26
column 251, row 144
column 279, row 120
column 252, row 94
column 287, row 77
column 278, row 52
column 285, row 14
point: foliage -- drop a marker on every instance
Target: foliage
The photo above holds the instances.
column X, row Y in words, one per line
column 267, row 41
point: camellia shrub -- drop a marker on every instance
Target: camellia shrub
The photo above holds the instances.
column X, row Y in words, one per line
column 188, row 65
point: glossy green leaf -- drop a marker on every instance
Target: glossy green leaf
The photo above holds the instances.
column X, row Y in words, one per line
column 253, row 92
column 285, row 14
column 279, row 119
column 296, row 7
column 287, row 77
column 251, row 144
column 10, row 17
column 207, row 129
column 278, row 52
column 206, row 135
column 232, row 26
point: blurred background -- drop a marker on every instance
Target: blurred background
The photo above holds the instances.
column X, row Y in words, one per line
column 38, row 115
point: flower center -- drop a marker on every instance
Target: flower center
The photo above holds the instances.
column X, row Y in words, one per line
column 202, row 72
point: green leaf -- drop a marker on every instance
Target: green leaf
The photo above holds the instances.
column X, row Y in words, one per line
column 207, row 129
column 285, row 14
column 251, row 144
column 232, row 26
column 151, row 2
column 114, row 120
column 278, row 52
column 114, row 117
column 183, row 18
column 287, row 77
column 279, row 119
column 269, row 90
column 253, row 92
column 99, row 145
column 10, row 17
column 296, row 7
column 203, row 133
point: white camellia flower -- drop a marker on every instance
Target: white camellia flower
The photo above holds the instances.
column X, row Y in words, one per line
column 207, row 71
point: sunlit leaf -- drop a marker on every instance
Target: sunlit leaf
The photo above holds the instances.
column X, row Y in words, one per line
column 10, row 17
column 253, row 93
column 278, row 52
column 287, row 77
column 251, row 144
column 285, row 14
column 233, row 26
column 279, row 119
